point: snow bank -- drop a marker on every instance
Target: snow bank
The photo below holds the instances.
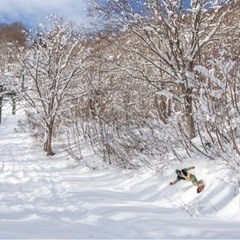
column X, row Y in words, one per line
column 53, row 197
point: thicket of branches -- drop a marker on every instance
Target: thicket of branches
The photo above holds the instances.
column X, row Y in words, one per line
column 155, row 79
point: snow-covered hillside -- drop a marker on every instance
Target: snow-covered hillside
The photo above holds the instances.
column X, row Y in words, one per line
column 53, row 197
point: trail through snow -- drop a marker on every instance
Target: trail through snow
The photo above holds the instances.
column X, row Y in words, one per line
column 46, row 197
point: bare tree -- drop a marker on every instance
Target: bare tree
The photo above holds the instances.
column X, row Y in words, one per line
column 169, row 38
column 50, row 71
column 12, row 37
column 13, row 33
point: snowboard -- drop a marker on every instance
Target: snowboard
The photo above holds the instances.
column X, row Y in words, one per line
column 201, row 188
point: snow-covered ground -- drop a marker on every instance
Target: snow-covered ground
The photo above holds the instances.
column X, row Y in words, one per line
column 51, row 197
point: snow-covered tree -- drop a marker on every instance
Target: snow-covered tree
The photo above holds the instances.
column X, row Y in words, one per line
column 12, row 37
column 50, row 70
column 169, row 37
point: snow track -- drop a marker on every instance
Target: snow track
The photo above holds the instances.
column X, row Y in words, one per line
column 43, row 197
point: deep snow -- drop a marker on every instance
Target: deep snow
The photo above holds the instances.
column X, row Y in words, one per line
column 53, row 197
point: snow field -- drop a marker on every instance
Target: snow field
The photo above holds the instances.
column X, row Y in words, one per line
column 53, row 197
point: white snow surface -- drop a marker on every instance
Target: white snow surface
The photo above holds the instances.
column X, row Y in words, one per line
column 53, row 197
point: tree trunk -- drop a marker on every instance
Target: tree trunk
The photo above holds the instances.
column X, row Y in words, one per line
column 189, row 114
column 48, row 142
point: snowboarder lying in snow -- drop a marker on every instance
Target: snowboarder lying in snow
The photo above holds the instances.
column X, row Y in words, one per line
column 185, row 175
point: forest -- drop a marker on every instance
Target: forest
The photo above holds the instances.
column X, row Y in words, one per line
column 147, row 82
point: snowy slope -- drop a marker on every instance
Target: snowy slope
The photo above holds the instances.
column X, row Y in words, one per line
column 52, row 197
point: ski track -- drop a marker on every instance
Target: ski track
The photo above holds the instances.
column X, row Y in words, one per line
column 43, row 197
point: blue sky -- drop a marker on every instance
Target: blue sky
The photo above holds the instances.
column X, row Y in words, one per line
column 32, row 12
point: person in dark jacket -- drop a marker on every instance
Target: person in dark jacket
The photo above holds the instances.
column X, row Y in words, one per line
column 187, row 176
